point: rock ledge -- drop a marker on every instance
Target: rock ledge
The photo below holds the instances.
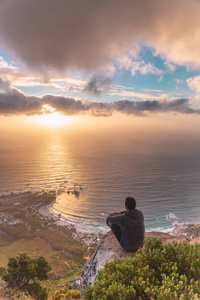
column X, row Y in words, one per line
column 109, row 248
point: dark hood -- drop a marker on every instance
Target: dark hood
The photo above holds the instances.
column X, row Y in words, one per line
column 133, row 213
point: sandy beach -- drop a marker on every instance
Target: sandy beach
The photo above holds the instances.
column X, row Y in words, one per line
column 84, row 231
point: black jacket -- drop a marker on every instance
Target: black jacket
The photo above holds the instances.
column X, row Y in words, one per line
column 131, row 223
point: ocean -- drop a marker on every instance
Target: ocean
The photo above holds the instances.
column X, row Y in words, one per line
column 94, row 174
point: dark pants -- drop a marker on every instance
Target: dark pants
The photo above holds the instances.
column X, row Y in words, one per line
column 117, row 232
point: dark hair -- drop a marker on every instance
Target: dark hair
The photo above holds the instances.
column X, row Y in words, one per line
column 130, row 203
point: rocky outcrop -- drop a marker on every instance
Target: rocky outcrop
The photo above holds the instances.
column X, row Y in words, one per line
column 108, row 249
column 75, row 283
column 191, row 230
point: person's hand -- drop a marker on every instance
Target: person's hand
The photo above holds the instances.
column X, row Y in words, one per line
column 109, row 224
column 116, row 213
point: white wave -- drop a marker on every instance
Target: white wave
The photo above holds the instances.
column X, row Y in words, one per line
column 172, row 218
column 160, row 229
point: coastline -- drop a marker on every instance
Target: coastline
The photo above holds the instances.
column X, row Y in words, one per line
column 86, row 228
column 187, row 230
column 40, row 205
column 83, row 231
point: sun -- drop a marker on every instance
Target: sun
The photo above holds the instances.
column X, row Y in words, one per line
column 52, row 120
column 49, row 118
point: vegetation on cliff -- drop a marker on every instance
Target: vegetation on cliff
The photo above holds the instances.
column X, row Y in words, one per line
column 170, row 271
column 24, row 274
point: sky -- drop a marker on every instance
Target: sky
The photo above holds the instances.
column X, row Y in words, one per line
column 65, row 59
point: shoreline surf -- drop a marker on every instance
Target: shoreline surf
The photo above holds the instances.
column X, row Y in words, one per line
column 46, row 209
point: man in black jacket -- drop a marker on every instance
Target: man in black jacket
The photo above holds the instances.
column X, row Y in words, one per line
column 128, row 226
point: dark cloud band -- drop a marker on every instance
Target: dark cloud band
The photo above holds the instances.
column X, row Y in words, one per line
column 15, row 102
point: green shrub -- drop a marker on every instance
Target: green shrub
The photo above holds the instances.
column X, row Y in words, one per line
column 23, row 273
column 36, row 291
column 68, row 294
column 157, row 272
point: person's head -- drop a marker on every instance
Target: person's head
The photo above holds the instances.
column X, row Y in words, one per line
column 130, row 203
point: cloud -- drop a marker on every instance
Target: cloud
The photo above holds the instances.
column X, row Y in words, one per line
column 170, row 66
column 152, row 90
column 89, row 34
column 21, row 76
column 13, row 101
column 194, row 83
column 178, row 81
column 66, row 105
column 5, row 65
column 4, row 85
column 144, row 68
column 131, row 94
column 98, row 84
column 155, row 106
column 137, row 66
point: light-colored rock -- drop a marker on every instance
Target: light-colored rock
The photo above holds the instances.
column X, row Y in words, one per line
column 191, row 230
column 75, row 283
column 107, row 250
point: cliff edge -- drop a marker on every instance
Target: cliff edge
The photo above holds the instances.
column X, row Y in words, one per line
column 109, row 248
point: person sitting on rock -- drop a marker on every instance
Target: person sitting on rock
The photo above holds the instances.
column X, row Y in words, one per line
column 128, row 226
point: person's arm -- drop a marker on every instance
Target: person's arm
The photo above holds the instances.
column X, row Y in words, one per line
column 118, row 213
column 118, row 220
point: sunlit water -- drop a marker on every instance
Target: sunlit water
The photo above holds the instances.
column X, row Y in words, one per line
column 163, row 176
